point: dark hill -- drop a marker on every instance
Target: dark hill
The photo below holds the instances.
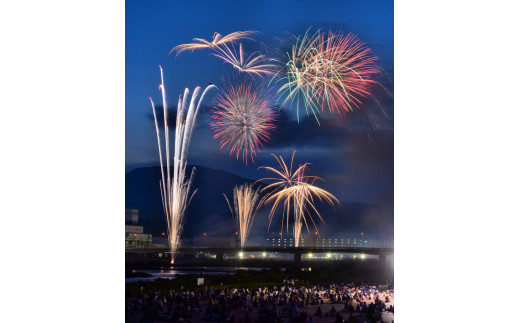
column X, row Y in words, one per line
column 208, row 211
column 208, row 208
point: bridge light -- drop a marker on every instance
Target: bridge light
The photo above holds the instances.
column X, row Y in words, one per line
column 264, row 254
column 310, row 255
column 328, row 255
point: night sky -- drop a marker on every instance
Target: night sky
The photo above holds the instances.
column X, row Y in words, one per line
column 352, row 153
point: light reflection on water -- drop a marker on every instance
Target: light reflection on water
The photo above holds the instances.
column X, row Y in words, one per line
column 171, row 273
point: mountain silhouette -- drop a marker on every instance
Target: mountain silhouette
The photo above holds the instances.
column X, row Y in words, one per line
column 209, row 213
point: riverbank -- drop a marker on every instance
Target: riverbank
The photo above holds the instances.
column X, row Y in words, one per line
column 317, row 273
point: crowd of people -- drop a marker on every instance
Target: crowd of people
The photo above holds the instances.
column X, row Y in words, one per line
column 285, row 303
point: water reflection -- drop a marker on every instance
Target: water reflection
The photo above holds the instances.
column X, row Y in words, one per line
column 172, row 273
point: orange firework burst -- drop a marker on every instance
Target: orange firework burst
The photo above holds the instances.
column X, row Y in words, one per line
column 217, row 41
column 296, row 190
column 253, row 64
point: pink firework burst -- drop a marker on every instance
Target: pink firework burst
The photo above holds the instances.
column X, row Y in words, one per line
column 342, row 70
column 327, row 70
column 243, row 118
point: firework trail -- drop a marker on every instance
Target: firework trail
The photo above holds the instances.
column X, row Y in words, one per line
column 295, row 77
column 296, row 190
column 333, row 71
column 242, row 118
column 253, row 64
column 175, row 188
column 217, row 41
column 247, row 203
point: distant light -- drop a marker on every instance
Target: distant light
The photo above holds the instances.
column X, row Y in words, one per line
column 264, row 254
column 328, row 255
column 241, row 254
column 365, row 241
column 362, row 256
column 310, row 255
column 310, row 269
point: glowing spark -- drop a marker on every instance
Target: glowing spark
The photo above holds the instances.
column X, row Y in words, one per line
column 246, row 202
column 294, row 189
column 253, row 64
column 327, row 70
column 215, row 43
column 243, row 119
column 175, row 188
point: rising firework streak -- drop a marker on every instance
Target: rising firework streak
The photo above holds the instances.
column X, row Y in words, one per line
column 175, row 188
column 246, row 204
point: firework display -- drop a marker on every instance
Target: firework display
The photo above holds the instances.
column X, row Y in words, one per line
column 242, row 118
column 246, row 204
column 322, row 71
column 253, row 64
column 296, row 190
column 218, row 40
column 175, row 188
column 333, row 71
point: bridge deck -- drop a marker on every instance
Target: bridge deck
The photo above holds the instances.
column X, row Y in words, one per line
column 292, row 250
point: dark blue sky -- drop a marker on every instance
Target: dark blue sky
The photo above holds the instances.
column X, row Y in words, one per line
column 354, row 154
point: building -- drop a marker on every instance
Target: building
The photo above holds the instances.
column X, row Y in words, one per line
column 135, row 238
column 131, row 216
column 134, row 234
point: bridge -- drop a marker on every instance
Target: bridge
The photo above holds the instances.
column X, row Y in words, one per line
column 297, row 252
